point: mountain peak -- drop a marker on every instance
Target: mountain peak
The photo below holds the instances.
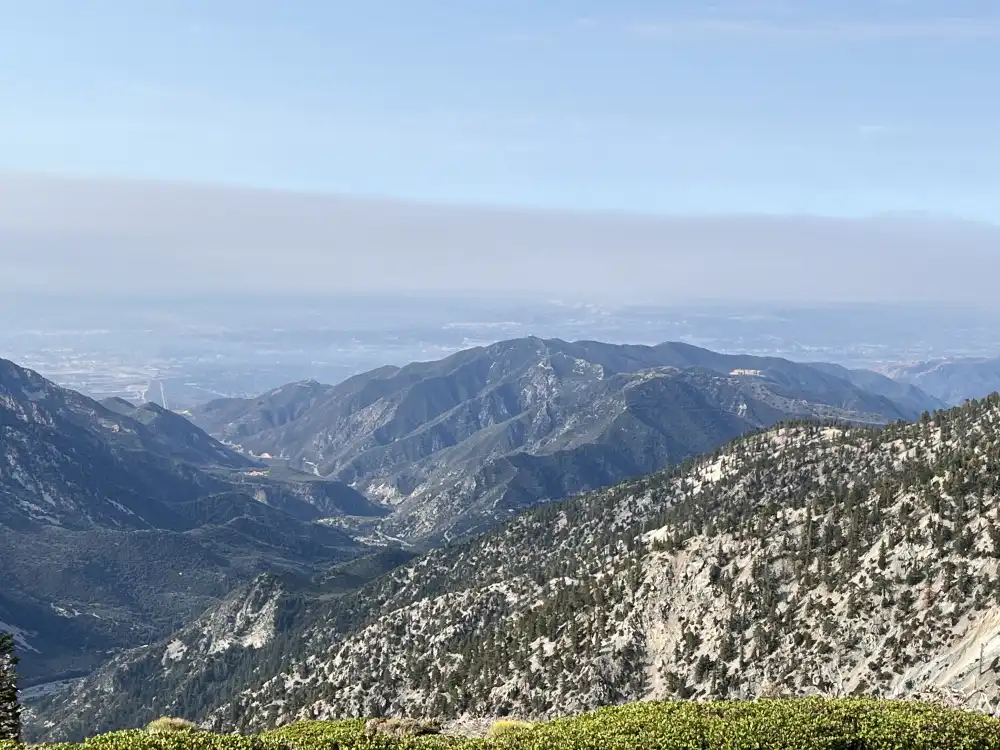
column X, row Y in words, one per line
column 21, row 384
column 463, row 442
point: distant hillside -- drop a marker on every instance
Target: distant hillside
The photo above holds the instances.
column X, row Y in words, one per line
column 905, row 394
column 120, row 523
column 801, row 560
column 459, row 444
column 952, row 380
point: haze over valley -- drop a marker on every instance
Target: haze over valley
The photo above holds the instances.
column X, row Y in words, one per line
column 184, row 351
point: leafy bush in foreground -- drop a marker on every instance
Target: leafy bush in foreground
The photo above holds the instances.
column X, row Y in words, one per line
column 802, row 724
column 171, row 724
column 805, row 724
column 402, row 727
column 504, row 727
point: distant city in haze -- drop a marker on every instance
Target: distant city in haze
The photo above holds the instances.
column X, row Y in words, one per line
column 185, row 351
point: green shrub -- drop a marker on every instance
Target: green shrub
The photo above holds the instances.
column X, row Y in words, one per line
column 309, row 734
column 503, row 727
column 801, row 724
column 796, row 724
column 171, row 724
column 402, row 727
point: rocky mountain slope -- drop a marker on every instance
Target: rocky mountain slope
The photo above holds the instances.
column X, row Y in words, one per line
column 459, row 444
column 203, row 660
column 805, row 559
column 120, row 523
column 952, row 380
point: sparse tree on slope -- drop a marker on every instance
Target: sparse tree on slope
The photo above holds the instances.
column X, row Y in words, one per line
column 10, row 710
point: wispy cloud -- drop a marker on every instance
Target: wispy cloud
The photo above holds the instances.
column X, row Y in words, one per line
column 945, row 28
column 102, row 236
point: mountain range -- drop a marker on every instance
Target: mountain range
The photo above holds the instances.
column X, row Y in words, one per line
column 122, row 525
column 805, row 559
column 119, row 523
column 462, row 443
column 951, row 380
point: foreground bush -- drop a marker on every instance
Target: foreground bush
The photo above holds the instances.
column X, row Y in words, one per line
column 402, row 727
column 802, row 724
column 505, row 727
column 170, row 724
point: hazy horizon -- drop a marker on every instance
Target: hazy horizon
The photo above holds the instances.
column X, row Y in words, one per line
column 645, row 152
column 118, row 236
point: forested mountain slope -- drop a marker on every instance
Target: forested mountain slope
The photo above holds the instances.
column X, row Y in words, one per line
column 119, row 523
column 805, row 559
column 462, row 443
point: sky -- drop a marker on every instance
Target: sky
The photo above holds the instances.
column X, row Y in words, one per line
column 801, row 106
column 845, row 109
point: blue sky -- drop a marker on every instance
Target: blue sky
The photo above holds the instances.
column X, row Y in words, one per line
column 831, row 108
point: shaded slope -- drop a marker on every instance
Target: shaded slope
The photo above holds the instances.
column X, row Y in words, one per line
column 119, row 524
column 463, row 442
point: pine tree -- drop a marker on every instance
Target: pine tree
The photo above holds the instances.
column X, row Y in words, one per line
column 10, row 710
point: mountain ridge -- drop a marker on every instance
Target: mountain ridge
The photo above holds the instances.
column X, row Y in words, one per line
column 952, row 380
column 459, row 443
column 805, row 559
column 119, row 523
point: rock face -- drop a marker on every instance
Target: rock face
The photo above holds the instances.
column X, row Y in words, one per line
column 805, row 559
column 119, row 523
column 461, row 444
